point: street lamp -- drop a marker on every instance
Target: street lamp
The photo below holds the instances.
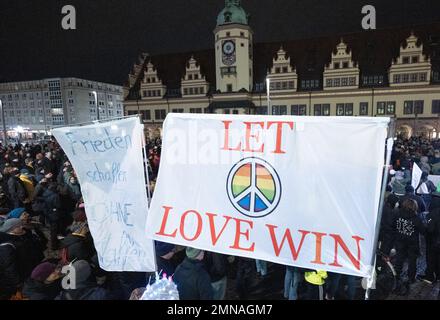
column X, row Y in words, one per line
column 96, row 103
column 5, row 140
column 268, row 95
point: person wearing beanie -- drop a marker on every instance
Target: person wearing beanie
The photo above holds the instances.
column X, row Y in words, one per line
column 17, row 213
column 164, row 255
column 192, row 279
column 86, row 287
column 44, row 282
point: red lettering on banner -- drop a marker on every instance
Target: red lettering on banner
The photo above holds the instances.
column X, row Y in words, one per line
column 338, row 240
column 279, row 133
column 318, row 245
column 214, row 237
column 164, row 222
column 239, row 233
column 249, row 136
column 287, row 235
column 199, row 225
column 226, row 146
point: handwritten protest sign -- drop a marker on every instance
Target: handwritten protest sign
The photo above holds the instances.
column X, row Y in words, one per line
column 107, row 157
column 416, row 176
column 301, row 191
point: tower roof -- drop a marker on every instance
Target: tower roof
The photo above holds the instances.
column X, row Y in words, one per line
column 232, row 13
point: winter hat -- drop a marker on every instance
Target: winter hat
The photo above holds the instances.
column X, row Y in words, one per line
column 192, row 253
column 163, row 248
column 16, row 213
column 82, row 271
column 10, row 224
column 43, row 271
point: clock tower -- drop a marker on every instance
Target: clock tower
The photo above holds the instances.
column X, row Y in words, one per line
column 233, row 49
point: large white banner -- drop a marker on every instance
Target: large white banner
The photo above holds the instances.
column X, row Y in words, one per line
column 416, row 176
column 107, row 157
column 301, row 191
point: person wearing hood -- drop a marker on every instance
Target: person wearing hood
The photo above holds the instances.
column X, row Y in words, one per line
column 398, row 183
column 410, row 194
column 17, row 191
column 29, row 247
column 192, row 279
column 86, row 287
column 407, row 227
column 44, row 282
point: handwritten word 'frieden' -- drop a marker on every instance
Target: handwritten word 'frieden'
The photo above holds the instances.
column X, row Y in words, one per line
column 99, row 145
column 115, row 175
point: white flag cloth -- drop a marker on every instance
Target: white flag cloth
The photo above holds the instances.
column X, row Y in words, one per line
column 301, row 191
column 107, row 157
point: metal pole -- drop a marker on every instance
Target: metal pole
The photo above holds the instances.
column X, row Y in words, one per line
column 389, row 149
column 268, row 95
column 5, row 140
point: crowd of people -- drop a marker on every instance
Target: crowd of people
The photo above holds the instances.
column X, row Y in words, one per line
column 43, row 227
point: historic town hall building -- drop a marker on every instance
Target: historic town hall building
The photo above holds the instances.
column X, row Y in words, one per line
column 392, row 72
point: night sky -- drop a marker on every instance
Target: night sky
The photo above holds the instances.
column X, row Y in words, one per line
column 111, row 33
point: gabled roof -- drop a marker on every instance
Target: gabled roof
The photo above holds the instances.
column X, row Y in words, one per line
column 372, row 50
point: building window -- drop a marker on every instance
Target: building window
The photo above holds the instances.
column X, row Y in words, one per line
column 336, row 65
column 229, row 88
column 340, row 109
column 195, row 110
column 363, row 109
column 146, row 114
column 329, row 83
column 349, row 109
column 405, row 77
column 408, row 107
column 344, row 82
column 160, row 114
column 414, row 77
column 435, row 76
column 317, row 110
column 352, row 81
column 390, row 107
column 337, row 82
column 148, row 80
column 381, row 108
column 415, row 59
column 242, row 34
column 202, row 90
column 396, row 78
column 234, row 111
column 418, row 106
column 436, row 106
column 277, row 70
column 326, row 109
column 180, row 110
column 422, row 77
column 405, row 60
column 279, row 110
column 285, row 69
column 227, row 111
column 309, row 84
column 185, row 91
column 298, row 110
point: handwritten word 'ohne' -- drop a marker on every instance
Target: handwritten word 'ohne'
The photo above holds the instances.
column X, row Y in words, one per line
column 105, row 144
column 115, row 175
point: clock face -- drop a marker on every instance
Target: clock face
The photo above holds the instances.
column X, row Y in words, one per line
column 228, row 47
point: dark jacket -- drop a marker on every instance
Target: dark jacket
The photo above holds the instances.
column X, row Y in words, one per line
column 9, row 275
column 193, row 281
column 17, row 191
column 420, row 203
column 216, row 265
column 89, row 291
column 407, row 227
column 36, row 290
column 38, row 203
column 165, row 266
column 433, row 228
column 77, row 247
column 52, row 205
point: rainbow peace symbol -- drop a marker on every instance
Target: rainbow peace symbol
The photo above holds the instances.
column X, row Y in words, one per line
column 254, row 187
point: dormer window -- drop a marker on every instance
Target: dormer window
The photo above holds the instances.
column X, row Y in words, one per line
column 196, row 76
column 336, row 65
column 405, row 60
column 277, row 70
column 415, row 59
column 345, row 65
column 228, row 17
column 285, row 70
column 148, row 80
column 190, row 77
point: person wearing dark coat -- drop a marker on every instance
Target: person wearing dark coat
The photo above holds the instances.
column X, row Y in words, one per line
column 9, row 275
column 164, row 255
column 386, row 234
column 432, row 273
column 44, row 282
column 17, row 191
column 192, row 280
column 407, row 227
column 245, row 274
column 53, row 213
column 217, row 267
column 86, row 287
column 410, row 194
